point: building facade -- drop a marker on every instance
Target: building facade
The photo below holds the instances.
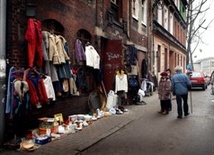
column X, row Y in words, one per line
column 168, row 34
column 155, row 36
column 205, row 65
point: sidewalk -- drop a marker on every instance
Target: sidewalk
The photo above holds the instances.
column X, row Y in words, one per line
column 74, row 143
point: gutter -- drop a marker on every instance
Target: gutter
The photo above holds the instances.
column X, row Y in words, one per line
column 2, row 69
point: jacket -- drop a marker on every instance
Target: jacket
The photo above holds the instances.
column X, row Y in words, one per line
column 180, row 83
column 92, row 57
column 79, row 51
column 164, row 89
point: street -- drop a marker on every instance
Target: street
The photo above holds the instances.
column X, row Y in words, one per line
column 154, row 133
column 142, row 130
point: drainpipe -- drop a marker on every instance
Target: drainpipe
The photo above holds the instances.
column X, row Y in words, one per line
column 2, row 68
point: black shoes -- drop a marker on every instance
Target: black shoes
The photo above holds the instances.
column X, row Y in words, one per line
column 186, row 114
column 180, row 117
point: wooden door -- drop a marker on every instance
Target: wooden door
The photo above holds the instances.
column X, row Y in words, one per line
column 111, row 59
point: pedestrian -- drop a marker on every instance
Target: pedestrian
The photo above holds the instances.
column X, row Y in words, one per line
column 180, row 86
column 164, row 93
column 169, row 76
column 211, row 82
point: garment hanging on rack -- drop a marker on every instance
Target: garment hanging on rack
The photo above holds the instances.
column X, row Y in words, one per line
column 49, row 88
column 14, row 73
column 79, row 51
column 92, row 57
column 121, row 82
column 33, row 36
column 49, row 68
column 121, row 87
column 37, row 91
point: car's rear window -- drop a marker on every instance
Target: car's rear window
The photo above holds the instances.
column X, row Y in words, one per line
column 196, row 74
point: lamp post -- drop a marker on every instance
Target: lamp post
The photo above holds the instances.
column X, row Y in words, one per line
column 2, row 68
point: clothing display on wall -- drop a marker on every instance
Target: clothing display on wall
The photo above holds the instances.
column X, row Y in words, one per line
column 27, row 87
column 57, row 63
column 131, row 55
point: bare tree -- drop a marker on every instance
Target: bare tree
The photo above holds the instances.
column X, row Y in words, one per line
column 196, row 26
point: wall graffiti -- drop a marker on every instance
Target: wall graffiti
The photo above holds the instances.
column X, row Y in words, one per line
column 113, row 55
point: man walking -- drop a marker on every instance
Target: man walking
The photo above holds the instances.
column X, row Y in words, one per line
column 180, row 86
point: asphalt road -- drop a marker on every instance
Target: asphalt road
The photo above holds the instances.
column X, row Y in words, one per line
column 155, row 134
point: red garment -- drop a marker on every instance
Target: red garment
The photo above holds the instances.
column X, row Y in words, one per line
column 34, row 37
column 34, row 100
column 43, row 97
column 37, row 93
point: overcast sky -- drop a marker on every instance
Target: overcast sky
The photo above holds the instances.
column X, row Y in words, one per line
column 206, row 49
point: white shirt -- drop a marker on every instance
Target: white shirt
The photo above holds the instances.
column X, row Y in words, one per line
column 92, row 57
column 121, row 83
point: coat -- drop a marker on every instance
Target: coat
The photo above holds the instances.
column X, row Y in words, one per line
column 164, row 89
column 180, row 83
column 49, row 68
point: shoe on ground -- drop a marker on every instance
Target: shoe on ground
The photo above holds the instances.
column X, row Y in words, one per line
column 180, row 117
column 118, row 111
column 165, row 113
column 186, row 114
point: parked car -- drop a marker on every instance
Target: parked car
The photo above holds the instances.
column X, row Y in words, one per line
column 198, row 79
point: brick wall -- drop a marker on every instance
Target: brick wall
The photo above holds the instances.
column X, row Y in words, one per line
column 70, row 16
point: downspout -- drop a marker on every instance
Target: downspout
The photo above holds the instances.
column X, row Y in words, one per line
column 2, row 68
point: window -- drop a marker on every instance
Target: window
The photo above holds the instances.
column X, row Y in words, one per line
column 116, row 8
column 166, row 18
column 171, row 23
column 144, row 12
column 135, row 9
column 159, row 16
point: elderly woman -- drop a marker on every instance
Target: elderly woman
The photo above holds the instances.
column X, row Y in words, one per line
column 164, row 92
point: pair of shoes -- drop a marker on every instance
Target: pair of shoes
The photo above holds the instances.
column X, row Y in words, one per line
column 180, row 117
column 118, row 111
column 186, row 114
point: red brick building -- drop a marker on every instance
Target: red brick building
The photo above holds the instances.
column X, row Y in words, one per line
column 109, row 25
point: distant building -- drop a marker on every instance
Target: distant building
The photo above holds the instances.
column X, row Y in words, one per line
column 205, row 65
